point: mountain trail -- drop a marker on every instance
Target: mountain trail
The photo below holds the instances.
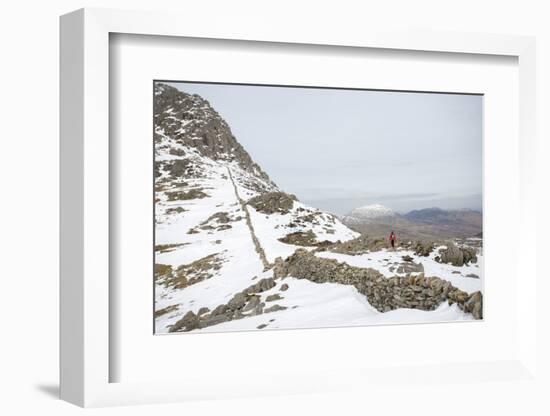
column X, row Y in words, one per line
column 255, row 240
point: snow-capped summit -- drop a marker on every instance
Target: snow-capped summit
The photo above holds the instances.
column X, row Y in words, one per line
column 371, row 211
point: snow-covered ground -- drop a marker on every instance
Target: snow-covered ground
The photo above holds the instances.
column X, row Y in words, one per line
column 308, row 304
column 240, row 262
column 234, row 245
column 314, row 305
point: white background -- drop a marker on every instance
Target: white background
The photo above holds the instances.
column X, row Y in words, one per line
column 29, row 100
column 138, row 62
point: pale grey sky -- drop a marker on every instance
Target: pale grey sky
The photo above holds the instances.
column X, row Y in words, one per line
column 340, row 149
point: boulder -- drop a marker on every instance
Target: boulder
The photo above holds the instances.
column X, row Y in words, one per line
column 474, row 305
column 261, row 286
column 274, row 308
column 273, row 202
column 203, row 310
column 457, row 256
column 218, row 310
column 252, row 303
column 210, row 320
column 237, row 301
column 189, row 322
column 274, row 297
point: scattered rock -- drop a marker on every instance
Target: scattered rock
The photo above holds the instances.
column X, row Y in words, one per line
column 162, row 271
column 176, row 152
column 262, row 326
column 177, row 210
column 252, row 303
column 189, row 274
column 237, row 302
column 258, row 310
column 216, row 222
column 164, row 311
column 274, row 297
column 274, row 308
column 203, row 310
column 261, row 286
column 474, row 305
column 177, row 167
column 407, row 258
column 241, row 305
column 210, row 320
column 166, row 248
column 189, row 322
column 284, row 287
column 219, row 310
column 195, row 193
column 472, row 275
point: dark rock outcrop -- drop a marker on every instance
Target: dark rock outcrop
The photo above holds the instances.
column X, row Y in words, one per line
column 191, row 121
column 273, row 202
column 300, row 238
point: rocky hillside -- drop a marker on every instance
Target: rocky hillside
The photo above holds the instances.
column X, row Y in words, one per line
column 234, row 252
column 189, row 121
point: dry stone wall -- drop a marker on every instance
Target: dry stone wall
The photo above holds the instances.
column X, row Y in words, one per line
column 384, row 294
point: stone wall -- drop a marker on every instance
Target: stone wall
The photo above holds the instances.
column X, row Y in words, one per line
column 384, row 294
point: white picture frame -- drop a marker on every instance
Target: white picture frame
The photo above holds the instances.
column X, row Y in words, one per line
column 85, row 166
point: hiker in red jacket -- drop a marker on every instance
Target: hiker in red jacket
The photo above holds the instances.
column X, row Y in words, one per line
column 392, row 238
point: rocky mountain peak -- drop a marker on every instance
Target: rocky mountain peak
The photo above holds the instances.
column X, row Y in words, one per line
column 190, row 120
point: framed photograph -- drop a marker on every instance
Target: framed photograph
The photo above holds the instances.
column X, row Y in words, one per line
column 264, row 198
column 359, row 238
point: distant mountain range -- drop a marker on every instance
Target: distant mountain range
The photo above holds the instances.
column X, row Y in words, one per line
column 434, row 223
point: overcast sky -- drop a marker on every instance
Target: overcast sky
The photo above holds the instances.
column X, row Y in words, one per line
column 340, row 149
